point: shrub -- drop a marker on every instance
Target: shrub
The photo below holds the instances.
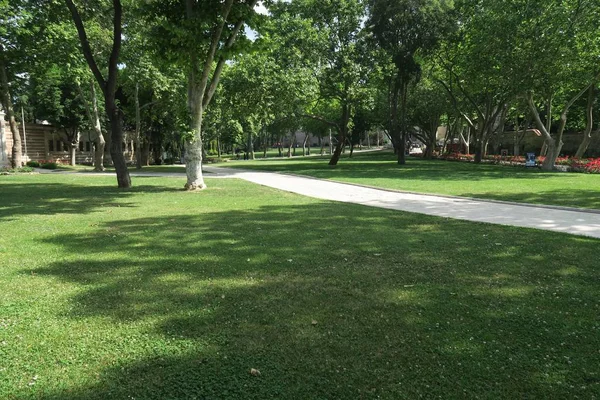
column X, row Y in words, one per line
column 49, row 165
column 33, row 164
column 7, row 171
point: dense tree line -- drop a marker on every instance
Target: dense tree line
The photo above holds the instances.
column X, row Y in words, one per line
column 194, row 77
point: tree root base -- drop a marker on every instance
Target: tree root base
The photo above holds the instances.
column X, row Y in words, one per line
column 194, row 187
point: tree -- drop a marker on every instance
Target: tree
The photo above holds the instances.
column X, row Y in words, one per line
column 425, row 109
column 331, row 39
column 58, row 100
column 56, row 48
column 565, row 58
column 13, row 36
column 403, row 29
column 477, row 66
column 200, row 37
column 109, row 85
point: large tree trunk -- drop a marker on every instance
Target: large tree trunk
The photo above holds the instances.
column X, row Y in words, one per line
column 193, row 148
column 73, row 153
column 116, row 146
column 554, row 146
column 17, row 151
column 552, row 151
column 337, row 153
column 342, row 135
column 108, row 85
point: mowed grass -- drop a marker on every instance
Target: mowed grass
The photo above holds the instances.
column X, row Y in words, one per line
column 483, row 181
column 155, row 293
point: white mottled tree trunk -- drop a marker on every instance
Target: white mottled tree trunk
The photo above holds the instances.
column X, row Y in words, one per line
column 73, row 151
column 193, row 152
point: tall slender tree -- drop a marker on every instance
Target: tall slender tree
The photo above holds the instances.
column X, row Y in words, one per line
column 13, row 38
column 108, row 84
column 404, row 29
column 200, row 36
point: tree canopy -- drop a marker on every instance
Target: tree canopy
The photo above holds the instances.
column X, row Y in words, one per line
column 188, row 78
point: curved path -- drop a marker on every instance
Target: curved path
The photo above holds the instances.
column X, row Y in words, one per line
column 573, row 221
column 584, row 222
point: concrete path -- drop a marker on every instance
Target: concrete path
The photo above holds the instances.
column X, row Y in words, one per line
column 586, row 223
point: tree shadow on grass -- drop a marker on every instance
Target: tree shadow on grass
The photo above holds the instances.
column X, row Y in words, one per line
column 47, row 198
column 336, row 301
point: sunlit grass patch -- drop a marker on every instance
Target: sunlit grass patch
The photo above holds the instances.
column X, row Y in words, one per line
column 157, row 293
column 515, row 184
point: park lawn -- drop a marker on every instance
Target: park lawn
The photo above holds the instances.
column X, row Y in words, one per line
column 155, row 293
column 484, row 181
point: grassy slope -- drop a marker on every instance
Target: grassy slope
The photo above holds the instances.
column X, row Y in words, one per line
column 155, row 293
column 451, row 178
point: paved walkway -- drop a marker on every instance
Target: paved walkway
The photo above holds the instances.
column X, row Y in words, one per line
column 529, row 216
column 584, row 223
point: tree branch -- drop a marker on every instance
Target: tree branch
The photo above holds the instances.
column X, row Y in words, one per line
column 581, row 93
column 464, row 92
column 214, row 44
column 455, row 103
column 324, row 120
column 536, row 117
column 85, row 44
column 222, row 59
column 113, row 70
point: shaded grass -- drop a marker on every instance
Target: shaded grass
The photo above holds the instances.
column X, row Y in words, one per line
column 155, row 293
column 447, row 178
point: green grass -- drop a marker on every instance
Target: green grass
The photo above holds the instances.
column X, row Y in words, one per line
column 447, row 178
column 155, row 293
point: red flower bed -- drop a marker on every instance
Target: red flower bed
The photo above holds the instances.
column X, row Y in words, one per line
column 457, row 157
column 590, row 165
column 586, row 165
